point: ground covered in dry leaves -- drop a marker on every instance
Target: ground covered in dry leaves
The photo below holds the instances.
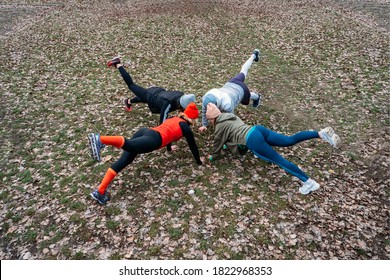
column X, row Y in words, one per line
column 324, row 63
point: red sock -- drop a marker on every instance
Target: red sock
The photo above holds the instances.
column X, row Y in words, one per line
column 116, row 141
column 110, row 175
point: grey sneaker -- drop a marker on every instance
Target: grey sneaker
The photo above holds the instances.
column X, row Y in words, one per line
column 257, row 102
column 256, row 52
column 95, row 145
column 309, row 186
column 330, row 136
column 101, row 198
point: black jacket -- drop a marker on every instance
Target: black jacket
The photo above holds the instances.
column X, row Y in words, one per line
column 162, row 102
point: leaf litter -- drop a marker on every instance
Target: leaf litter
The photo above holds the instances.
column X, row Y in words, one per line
column 323, row 64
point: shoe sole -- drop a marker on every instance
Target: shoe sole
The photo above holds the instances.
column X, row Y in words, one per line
column 336, row 140
column 93, row 147
column 331, row 137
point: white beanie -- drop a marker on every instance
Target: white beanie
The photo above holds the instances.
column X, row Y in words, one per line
column 186, row 99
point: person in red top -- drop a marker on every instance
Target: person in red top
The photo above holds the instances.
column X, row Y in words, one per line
column 145, row 140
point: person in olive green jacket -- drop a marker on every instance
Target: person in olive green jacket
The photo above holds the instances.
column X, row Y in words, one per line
column 231, row 131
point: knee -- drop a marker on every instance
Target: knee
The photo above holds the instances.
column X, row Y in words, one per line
column 122, row 162
column 117, row 167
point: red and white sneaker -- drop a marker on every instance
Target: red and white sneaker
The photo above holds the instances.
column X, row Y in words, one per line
column 113, row 62
column 128, row 106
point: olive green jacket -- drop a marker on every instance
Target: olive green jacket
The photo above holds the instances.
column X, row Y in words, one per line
column 231, row 131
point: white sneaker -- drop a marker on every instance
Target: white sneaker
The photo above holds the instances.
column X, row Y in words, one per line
column 330, row 136
column 309, row 186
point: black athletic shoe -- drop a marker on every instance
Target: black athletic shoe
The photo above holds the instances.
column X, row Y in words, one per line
column 256, row 52
column 257, row 102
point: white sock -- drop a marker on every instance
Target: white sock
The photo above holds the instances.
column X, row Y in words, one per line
column 247, row 65
column 254, row 96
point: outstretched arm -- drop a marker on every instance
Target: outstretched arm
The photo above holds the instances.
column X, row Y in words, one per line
column 187, row 133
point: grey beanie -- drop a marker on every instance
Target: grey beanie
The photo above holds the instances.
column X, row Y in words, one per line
column 187, row 99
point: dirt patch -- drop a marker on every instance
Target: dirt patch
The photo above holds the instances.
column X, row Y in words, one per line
column 14, row 17
column 374, row 12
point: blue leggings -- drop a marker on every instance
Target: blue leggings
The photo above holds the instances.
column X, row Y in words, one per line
column 260, row 141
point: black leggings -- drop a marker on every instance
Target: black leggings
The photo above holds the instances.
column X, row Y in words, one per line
column 140, row 92
column 144, row 141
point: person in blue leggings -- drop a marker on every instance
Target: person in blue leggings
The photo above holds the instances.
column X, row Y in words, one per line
column 231, row 131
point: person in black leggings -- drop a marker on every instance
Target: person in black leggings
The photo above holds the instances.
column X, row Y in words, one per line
column 144, row 140
column 159, row 100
